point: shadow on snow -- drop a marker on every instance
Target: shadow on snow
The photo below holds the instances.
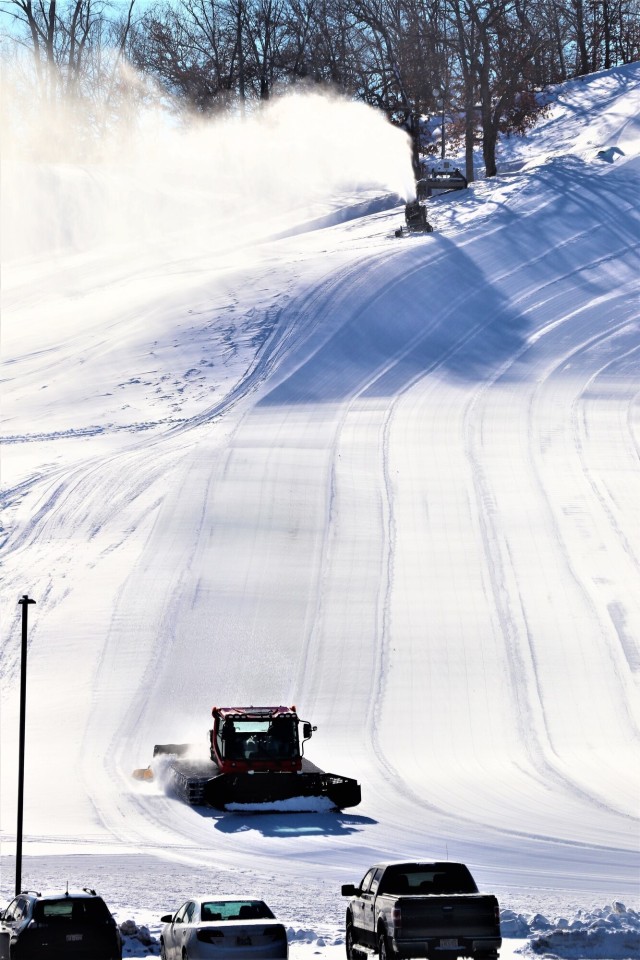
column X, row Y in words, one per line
column 464, row 308
column 330, row 823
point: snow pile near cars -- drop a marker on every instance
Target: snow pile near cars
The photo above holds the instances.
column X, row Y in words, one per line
column 130, row 930
column 610, row 933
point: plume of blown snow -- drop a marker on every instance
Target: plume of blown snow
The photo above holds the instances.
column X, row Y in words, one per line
column 78, row 178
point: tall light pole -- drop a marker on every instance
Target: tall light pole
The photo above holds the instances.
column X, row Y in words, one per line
column 24, row 603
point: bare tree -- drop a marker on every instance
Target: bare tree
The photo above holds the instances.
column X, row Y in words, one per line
column 487, row 57
column 194, row 50
column 404, row 60
column 499, row 43
column 66, row 40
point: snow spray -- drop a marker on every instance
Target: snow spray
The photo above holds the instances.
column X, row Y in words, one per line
column 154, row 175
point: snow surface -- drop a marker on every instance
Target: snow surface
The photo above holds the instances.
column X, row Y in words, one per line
column 256, row 450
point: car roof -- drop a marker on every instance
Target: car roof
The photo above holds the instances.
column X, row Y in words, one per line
column 58, row 894
column 254, row 713
column 418, row 863
column 215, row 898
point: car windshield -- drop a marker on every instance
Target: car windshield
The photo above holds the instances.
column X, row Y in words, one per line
column 212, row 910
column 428, row 879
column 241, row 738
column 70, row 910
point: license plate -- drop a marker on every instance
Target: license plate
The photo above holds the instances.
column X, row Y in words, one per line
column 74, row 936
column 243, row 941
column 449, row 943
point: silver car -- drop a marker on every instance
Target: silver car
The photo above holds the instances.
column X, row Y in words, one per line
column 228, row 928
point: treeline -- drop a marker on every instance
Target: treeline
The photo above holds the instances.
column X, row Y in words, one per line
column 478, row 63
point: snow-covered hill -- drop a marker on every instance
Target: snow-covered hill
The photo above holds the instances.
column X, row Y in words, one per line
column 257, row 450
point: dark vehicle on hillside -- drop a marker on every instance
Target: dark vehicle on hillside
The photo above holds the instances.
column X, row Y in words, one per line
column 421, row 910
column 74, row 925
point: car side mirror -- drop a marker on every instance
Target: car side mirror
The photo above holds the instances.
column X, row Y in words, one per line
column 348, row 890
column 168, row 918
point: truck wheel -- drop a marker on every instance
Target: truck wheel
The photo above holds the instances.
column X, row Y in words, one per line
column 348, row 942
column 383, row 948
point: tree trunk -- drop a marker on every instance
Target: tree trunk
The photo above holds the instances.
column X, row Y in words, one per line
column 489, row 141
column 581, row 40
column 469, row 129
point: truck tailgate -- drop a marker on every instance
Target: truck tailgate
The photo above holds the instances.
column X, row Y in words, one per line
column 472, row 915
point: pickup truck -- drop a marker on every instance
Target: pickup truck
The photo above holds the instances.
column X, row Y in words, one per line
column 430, row 910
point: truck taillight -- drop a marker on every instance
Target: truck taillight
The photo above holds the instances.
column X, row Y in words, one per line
column 396, row 917
column 207, row 935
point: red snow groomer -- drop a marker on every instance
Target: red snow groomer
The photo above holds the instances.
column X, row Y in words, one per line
column 256, row 757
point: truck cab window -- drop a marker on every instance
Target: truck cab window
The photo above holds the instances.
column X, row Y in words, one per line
column 366, row 881
column 376, row 879
column 282, row 739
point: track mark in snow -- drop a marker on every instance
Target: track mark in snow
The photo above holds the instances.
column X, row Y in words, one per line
column 509, row 592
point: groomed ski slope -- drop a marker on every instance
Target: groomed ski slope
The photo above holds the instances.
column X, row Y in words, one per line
column 394, row 482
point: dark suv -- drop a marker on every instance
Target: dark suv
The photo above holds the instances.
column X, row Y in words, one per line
column 75, row 925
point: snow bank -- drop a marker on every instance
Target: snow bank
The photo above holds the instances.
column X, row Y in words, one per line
column 611, row 933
